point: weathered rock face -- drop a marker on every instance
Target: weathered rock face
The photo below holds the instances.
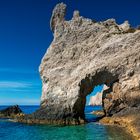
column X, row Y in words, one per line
column 82, row 55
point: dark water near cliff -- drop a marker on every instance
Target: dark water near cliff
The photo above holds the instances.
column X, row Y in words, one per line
column 90, row 131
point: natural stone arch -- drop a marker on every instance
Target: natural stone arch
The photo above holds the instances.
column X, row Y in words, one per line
column 87, row 85
column 82, row 55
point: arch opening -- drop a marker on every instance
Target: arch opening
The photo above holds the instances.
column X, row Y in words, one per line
column 94, row 103
column 91, row 85
column 93, row 107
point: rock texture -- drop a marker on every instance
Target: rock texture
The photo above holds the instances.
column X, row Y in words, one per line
column 82, row 55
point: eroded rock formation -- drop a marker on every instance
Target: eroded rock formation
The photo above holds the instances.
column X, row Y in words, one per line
column 82, row 55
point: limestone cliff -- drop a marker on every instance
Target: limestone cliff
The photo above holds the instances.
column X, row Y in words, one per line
column 82, row 55
column 96, row 99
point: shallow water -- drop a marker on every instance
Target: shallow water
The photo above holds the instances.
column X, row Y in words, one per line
column 90, row 131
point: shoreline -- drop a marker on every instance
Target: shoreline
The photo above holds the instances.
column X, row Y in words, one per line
column 129, row 122
column 125, row 122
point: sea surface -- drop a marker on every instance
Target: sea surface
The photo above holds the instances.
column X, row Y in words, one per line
column 90, row 131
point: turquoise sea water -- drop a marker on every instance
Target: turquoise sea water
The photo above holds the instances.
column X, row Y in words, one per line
column 90, row 131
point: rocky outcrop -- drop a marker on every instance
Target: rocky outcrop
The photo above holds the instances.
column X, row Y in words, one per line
column 99, row 113
column 10, row 112
column 124, row 94
column 82, row 55
column 130, row 122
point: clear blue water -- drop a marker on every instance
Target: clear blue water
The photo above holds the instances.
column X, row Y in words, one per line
column 90, row 117
column 91, row 131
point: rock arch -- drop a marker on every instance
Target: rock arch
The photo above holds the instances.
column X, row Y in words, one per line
column 87, row 85
column 82, row 55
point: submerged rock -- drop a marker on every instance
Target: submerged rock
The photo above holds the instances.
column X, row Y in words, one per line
column 98, row 113
column 82, row 55
column 10, row 112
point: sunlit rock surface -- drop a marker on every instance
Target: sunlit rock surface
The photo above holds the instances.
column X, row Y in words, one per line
column 97, row 98
column 82, row 55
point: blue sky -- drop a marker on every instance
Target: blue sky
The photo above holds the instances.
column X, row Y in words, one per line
column 25, row 35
